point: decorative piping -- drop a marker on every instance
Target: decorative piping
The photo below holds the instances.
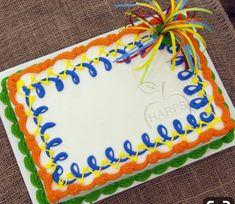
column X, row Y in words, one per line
column 128, row 167
column 110, row 188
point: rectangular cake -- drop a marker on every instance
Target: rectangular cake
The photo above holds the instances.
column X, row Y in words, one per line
column 87, row 125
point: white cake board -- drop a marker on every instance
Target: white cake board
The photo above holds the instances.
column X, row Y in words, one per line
column 14, row 141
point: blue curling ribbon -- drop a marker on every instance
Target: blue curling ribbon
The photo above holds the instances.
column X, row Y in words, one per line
column 135, row 51
column 123, row 53
column 138, row 44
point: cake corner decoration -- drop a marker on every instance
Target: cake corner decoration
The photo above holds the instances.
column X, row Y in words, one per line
column 175, row 28
column 179, row 113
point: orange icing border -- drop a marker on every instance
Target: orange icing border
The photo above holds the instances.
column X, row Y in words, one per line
column 129, row 167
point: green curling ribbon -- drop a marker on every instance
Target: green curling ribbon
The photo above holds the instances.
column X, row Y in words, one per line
column 110, row 188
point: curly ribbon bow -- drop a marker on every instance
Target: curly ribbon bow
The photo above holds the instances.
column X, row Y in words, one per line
column 175, row 28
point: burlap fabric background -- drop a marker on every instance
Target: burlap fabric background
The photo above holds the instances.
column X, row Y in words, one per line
column 33, row 28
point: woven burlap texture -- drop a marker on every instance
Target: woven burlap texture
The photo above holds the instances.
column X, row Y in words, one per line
column 31, row 28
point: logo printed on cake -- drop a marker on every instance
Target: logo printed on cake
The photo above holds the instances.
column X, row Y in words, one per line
column 166, row 107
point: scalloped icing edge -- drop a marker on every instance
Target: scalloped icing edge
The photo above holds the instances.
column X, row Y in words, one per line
column 110, row 189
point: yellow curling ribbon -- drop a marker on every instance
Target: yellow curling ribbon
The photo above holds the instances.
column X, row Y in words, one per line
column 159, row 11
column 170, row 24
column 173, row 49
column 146, row 65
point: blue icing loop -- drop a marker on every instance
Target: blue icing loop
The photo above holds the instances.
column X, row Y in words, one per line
column 74, row 168
column 92, row 162
column 60, row 157
column 146, row 140
column 169, row 48
column 107, row 63
column 192, row 89
column 163, row 132
column 58, row 83
column 38, row 111
column 179, row 59
column 57, row 173
column 185, row 75
column 90, row 67
column 178, row 126
column 74, row 76
column 110, row 154
column 39, row 89
column 128, row 148
column 192, row 121
column 162, row 46
column 198, row 103
column 207, row 117
column 54, row 142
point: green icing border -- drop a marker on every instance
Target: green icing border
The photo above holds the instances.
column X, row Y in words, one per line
column 110, row 188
